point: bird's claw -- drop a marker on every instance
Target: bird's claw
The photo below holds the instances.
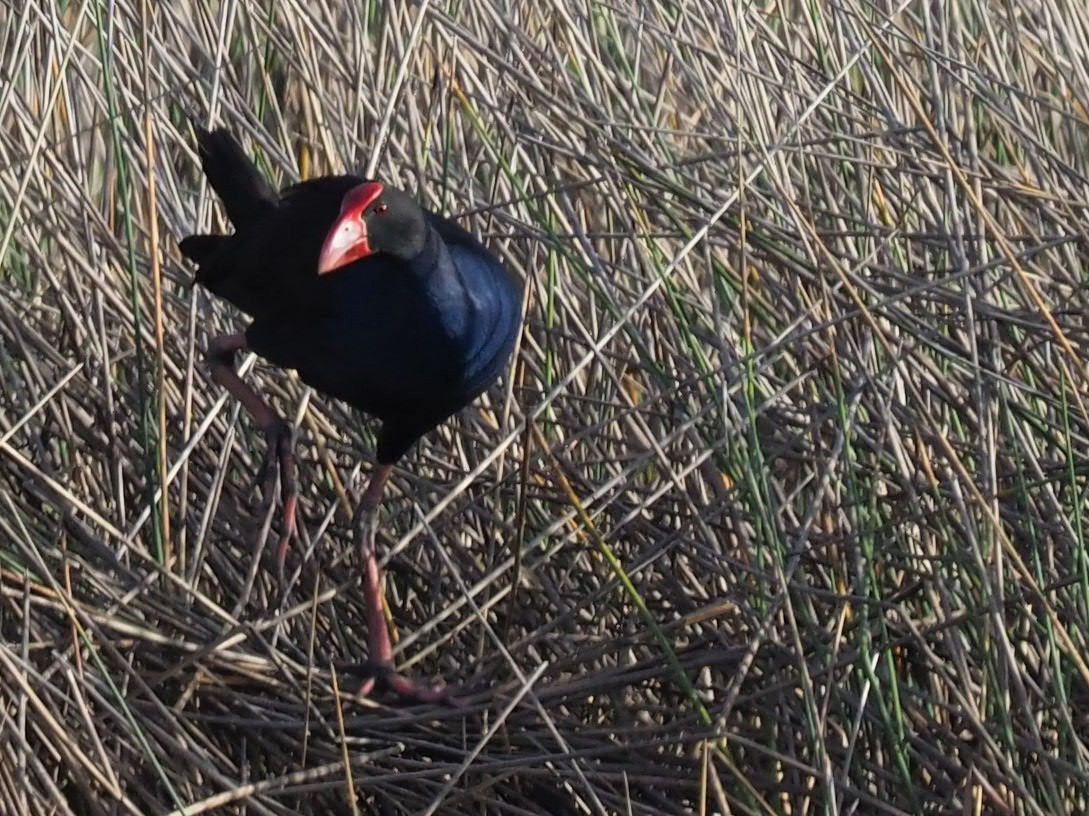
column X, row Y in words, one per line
column 382, row 677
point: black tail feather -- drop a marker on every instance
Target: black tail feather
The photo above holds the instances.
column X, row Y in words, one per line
column 246, row 194
column 199, row 248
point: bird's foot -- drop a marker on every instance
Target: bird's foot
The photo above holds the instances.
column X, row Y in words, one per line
column 381, row 677
column 281, row 450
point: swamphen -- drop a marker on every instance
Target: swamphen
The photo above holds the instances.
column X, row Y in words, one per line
column 373, row 300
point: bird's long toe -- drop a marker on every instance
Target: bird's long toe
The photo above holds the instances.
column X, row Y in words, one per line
column 383, row 678
column 279, row 464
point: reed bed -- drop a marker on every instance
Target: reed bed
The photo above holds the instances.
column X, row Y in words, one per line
column 781, row 508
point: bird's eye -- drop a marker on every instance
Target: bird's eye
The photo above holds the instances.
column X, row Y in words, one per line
column 382, row 209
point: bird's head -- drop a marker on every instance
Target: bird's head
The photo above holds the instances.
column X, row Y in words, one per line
column 373, row 218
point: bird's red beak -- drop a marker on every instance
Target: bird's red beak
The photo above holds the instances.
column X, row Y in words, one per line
column 347, row 240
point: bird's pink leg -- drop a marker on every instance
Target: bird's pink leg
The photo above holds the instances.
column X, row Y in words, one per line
column 378, row 641
column 379, row 666
column 220, row 357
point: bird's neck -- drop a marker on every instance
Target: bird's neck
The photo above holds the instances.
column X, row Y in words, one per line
column 429, row 258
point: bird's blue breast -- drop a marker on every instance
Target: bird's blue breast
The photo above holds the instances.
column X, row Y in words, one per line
column 485, row 324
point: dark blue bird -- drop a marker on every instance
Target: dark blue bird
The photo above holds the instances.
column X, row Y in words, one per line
column 371, row 299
